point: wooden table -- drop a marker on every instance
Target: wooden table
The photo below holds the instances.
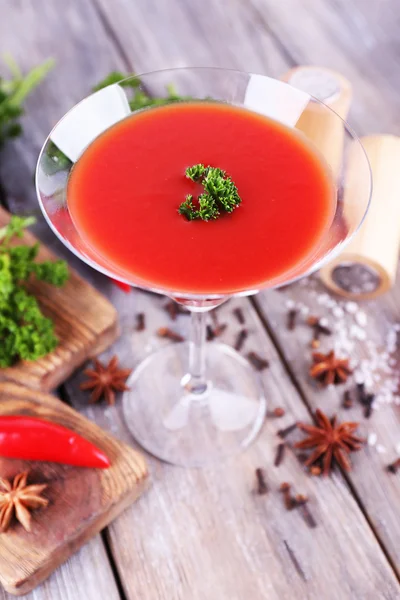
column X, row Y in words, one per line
column 204, row 534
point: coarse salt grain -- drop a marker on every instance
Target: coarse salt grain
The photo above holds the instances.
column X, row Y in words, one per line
column 338, row 312
column 381, row 449
column 372, row 438
column 357, row 333
column 351, row 307
column 361, row 318
column 290, row 304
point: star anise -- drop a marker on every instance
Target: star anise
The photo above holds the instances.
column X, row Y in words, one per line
column 328, row 369
column 331, row 442
column 105, row 380
column 17, row 498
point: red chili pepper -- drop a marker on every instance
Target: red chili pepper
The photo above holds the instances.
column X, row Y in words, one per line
column 30, row 438
column 125, row 287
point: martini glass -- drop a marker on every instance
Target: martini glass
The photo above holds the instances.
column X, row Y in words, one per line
column 195, row 403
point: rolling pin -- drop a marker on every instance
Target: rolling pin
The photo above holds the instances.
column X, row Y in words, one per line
column 367, row 267
column 320, row 125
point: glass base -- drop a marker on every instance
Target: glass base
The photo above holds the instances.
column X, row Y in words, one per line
column 194, row 430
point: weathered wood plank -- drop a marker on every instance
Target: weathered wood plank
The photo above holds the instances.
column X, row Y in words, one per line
column 88, row 572
column 220, row 537
column 360, row 39
column 377, row 490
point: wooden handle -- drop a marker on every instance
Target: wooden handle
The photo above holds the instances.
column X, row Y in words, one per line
column 320, row 125
column 367, row 267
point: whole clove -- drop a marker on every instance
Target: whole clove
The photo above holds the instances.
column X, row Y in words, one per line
column 280, row 453
column 368, row 402
column 301, row 502
column 318, row 330
column 238, row 312
column 288, row 500
column 284, row 432
column 347, row 400
column 394, row 466
column 291, row 319
column 210, row 334
column 174, row 309
column 262, row 487
column 166, row 332
column 140, row 322
column 278, row 412
column 213, row 332
column 365, row 399
column 240, row 339
column 257, row 361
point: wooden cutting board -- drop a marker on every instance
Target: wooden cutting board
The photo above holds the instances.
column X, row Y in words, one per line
column 81, row 501
column 85, row 323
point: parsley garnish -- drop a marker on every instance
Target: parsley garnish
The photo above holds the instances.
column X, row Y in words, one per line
column 220, row 194
column 140, row 98
column 25, row 333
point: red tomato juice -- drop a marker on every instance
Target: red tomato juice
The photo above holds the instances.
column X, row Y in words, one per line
column 125, row 190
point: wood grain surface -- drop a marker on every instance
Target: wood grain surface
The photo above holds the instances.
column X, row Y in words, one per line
column 81, row 501
column 205, row 535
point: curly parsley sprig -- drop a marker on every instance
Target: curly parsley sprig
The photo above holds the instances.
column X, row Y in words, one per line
column 25, row 333
column 220, row 194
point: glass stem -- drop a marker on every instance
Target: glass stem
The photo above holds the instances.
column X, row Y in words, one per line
column 197, row 383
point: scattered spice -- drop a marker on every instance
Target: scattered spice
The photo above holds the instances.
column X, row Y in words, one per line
column 365, row 399
column 284, row 432
column 140, row 322
column 315, row 470
column 262, row 487
column 17, row 498
column 240, row 339
column 302, row 457
column 327, row 369
column 105, row 380
column 278, row 412
column 174, row 309
column 347, row 399
column 280, row 453
column 302, row 503
column 169, row 334
column 257, row 361
column 330, row 442
column 238, row 312
column 318, row 327
column 369, row 399
column 291, row 319
column 301, row 499
column 212, row 333
column 394, row 466
column 288, row 500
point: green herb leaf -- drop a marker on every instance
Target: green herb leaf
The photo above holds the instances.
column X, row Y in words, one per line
column 141, row 98
column 220, row 194
column 25, row 333
column 13, row 92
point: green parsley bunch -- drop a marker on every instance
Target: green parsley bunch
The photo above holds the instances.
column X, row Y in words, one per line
column 25, row 333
